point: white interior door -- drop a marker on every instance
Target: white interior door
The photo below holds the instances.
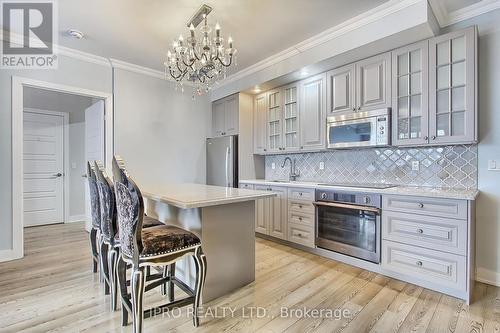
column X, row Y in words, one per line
column 43, row 166
column 94, row 144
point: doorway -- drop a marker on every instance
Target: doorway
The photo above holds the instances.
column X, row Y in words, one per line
column 50, row 146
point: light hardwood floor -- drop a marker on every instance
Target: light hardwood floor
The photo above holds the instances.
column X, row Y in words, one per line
column 53, row 289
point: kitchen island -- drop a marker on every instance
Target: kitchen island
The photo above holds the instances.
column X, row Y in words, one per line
column 224, row 219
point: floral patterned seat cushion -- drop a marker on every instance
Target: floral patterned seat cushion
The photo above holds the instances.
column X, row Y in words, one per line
column 166, row 238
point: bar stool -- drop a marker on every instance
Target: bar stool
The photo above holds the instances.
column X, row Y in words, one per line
column 155, row 246
column 109, row 246
column 95, row 231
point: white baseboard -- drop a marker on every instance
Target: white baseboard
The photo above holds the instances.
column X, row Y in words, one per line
column 488, row 276
column 76, row 218
column 10, row 254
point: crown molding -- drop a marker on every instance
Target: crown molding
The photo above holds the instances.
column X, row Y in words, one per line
column 137, row 68
column 343, row 28
column 448, row 18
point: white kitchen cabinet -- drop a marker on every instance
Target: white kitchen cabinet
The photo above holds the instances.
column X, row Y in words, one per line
column 275, row 120
column 373, row 83
column 313, row 113
column 361, row 86
column 271, row 213
column 260, row 123
column 410, row 91
column 341, row 89
column 291, row 121
column 452, row 86
column 225, row 116
column 262, row 212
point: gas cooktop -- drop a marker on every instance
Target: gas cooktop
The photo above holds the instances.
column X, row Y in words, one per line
column 360, row 185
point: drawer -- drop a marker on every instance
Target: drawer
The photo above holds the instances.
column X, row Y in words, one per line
column 300, row 206
column 436, row 233
column 301, row 194
column 456, row 209
column 300, row 234
column 440, row 268
column 301, row 218
column 246, row 186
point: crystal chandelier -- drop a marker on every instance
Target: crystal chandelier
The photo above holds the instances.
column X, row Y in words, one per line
column 200, row 60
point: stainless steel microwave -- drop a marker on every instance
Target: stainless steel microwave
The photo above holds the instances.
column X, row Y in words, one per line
column 359, row 129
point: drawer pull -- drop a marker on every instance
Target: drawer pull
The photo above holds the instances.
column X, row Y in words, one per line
column 300, row 218
column 420, row 231
column 300, row 206
column 420, row 205
column 300, row 193
column 419, row 263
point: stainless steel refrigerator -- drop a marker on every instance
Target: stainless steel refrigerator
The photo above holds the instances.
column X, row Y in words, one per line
column 222, row 161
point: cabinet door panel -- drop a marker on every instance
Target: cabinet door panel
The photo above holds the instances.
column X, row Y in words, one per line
column 410, row 74
column 218, row 118
column 274, row 121
column 262, row 212
column 291, row 117
column 313, row 112
column 279, row 210
column 373, row 88
column 260, row 124
column 452, row 88
column 340, row 89
column 231, row 115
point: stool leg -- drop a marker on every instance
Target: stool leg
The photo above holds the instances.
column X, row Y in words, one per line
column 201, row 270
column 138, row 278
column 112, row 260
column 93, row 247
column 171, row 274
column 164, row 286
column 122, row 280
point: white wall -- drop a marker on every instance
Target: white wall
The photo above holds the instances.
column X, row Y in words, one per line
column 159, row 132
column 488, row 204
column 77, row 158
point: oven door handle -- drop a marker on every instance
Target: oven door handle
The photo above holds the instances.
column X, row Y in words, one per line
column 343, row 205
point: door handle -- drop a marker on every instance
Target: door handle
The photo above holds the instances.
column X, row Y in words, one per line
column 57, row 175
column 84, row 175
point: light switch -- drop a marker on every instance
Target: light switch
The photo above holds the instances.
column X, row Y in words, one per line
column 415, row 165
column 273, row 165
column 322, row 165
column 493, row 165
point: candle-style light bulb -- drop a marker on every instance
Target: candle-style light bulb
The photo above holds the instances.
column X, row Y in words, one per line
column 191, row 28
column 230, row 41
column 217, row 30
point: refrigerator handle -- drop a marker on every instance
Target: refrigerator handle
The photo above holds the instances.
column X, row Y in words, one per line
column 228, row 182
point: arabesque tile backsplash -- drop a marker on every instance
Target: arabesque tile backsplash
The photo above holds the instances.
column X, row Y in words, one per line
column 446, row 166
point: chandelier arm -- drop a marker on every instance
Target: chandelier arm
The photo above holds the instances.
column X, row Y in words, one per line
column 229, row 62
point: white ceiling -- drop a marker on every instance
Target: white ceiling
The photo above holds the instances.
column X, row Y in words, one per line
column 140, row 32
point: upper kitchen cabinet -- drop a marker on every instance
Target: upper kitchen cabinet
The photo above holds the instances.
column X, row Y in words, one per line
column 452, row 86
column 410, row 75
column 274, row 121
column 340, row 88
column 361, row 86
column 260, row 124
column 225, row 116
column 291, row 117
column 373, row 85
column 313, row 112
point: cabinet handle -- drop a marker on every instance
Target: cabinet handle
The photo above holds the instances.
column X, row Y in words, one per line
column 300, row 218
column 359, row 108
column 300, row 206
column 419, row 263
column 433, row 137
column 353, row 109
column 299, row 234
column 300, row 194
column 301, row 147
column 420, row 205
column 426, row 138
column 265, row 149
column 420, row 231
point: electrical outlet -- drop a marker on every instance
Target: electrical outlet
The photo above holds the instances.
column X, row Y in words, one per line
column 273, row 165
column 493, row 165
column 322, row 165
column 415, row 165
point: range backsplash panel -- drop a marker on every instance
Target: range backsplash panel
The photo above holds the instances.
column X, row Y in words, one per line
column 446, row 166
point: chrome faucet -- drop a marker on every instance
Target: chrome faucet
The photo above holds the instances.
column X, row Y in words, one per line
column 293, row 172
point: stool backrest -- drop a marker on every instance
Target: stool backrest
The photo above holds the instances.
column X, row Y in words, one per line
column 130, row 211
column 95, row 209
column 107, row 203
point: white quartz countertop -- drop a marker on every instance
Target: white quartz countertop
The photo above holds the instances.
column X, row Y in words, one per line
column 198, row 195
column 422, row 191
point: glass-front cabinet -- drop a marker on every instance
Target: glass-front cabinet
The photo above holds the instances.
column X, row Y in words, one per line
column 410, row 72
column 274, row 120
column 452, row 86
column 290, row 118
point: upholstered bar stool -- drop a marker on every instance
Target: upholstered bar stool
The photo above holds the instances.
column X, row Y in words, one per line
column 155, row 246
column 109, row 241
column 95, row 231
